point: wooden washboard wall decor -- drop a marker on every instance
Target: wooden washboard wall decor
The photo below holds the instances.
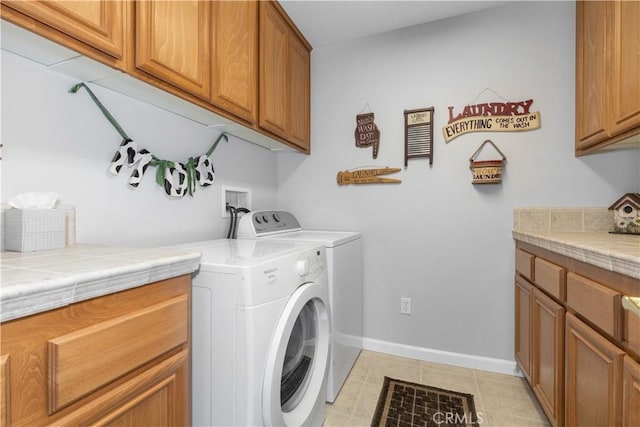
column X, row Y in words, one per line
column 418, row 134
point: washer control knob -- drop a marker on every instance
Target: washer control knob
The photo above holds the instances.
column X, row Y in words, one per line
column 276, row 217
column 302, row 268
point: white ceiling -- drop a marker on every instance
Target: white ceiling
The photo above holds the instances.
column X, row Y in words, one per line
column 325, row 22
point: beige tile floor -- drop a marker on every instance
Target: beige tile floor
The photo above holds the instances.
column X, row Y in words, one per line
column 500, row 400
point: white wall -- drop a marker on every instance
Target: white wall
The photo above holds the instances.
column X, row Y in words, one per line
column 57, row 141
column 437, row 238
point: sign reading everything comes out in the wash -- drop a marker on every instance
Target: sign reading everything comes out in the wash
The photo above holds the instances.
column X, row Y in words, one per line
column 492, row 117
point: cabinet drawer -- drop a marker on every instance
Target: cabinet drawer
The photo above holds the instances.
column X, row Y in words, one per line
column 524, row 264
column 596, row 303
column 550, row 278
column 87, row 359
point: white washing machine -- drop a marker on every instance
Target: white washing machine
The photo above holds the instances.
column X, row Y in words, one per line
column 260, row 333
column 345, row 270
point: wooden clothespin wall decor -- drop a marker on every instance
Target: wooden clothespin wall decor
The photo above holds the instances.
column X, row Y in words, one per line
column 367, row 176
column 367, row 133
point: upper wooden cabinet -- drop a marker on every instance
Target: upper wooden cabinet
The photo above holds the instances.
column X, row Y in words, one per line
column 245, row 61
column 625, row 70
column 274, row 53
column 173, row 43
column 284, row 77
column 299, row 93
column 101, row 25
column 607, row 73
column 234, row 58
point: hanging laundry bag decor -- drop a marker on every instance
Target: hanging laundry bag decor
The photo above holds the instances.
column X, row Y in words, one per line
column 487, row 171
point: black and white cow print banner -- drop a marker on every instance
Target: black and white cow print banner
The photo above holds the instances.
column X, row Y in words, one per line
column 176, row 178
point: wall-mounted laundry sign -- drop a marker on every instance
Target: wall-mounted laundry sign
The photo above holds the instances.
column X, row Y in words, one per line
column 367, row 176
column 367, row 133
column 418, row 134
column 491, row 117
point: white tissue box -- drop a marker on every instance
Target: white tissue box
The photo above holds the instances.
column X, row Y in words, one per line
column 28, row 230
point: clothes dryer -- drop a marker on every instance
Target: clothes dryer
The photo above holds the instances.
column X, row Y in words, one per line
column 345, row 271
column 260, row 333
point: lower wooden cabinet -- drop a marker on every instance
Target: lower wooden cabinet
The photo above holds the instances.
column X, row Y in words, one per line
column 547, row 376
column 631, row 393
column 576, row 346
column 593, row 377
column 5, row 396
column 523, row 330
column 539, row 346
column 119, row 359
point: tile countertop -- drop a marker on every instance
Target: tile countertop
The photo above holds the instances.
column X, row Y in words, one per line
column 580, row 233
column 614, row 252
column 32, row 282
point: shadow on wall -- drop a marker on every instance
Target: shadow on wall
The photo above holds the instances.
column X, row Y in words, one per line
column 606, row 165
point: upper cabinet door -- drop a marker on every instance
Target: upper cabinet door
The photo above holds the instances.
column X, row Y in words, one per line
column 284, row 77
column 625, row 73
column 274, row 78
column 234, row 58
column 173, row 40
column 99, row 24
column 243, row 60
column 299, row 97
column 591, row 73
column 607, row 73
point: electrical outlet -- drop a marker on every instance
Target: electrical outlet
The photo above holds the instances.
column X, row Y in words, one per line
column 405, row 305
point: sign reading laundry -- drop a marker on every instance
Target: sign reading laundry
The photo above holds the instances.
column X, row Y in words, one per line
column 492, row 117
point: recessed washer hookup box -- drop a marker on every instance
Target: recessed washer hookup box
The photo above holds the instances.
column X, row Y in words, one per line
column 28, row 230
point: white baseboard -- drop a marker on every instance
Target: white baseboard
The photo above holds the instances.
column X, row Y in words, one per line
column 481, row 363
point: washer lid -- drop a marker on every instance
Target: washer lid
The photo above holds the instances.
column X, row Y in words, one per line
column 244, row 252
column 329, row 238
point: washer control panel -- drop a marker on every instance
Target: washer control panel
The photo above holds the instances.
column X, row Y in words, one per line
column 310, row 263
column 269, row 222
